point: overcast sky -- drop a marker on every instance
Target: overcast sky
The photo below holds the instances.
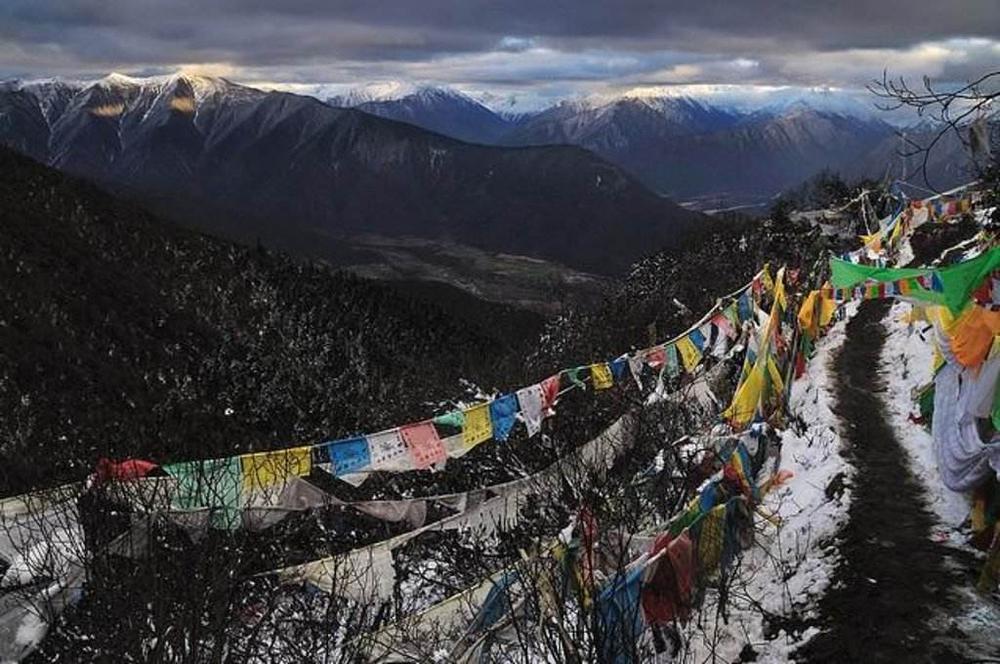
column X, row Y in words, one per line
column 525, row 50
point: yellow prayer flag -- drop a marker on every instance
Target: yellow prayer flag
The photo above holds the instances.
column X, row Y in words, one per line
column 690, row 355
column 266, row 469
column 776, row 381
column 779, row 290
column 478, row 425
column 746, row 398
column 873, row 241
column 808, row 320
column 827, row 306
column 766, row 279
column 601, row 375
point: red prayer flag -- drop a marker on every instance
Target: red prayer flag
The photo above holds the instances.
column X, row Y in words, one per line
column 550, row 391
column 656, row 357
column 424, row 445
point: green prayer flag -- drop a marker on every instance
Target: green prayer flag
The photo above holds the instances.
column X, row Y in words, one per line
column 957, row 281
column 213, row 483
column 575, row 376
column 455, row 418
column 671, row 364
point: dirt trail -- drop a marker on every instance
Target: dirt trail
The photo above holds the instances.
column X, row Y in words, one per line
column 893, row 588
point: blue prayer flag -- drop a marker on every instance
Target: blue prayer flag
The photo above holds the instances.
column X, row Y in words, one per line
column 697, row 338
column 936, row 284
column 348, row 456
column 621, row 616
column 503, row 412
column 619, row 367
column 743, row 307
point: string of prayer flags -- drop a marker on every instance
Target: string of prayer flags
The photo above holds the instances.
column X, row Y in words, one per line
column 531, row 401
column 690, row 354
column 424, row 444
column 478, row 426
column 950, row 286
column 263, row 470
column 348, row 456
column 503, row 413
column 601, row 376
column 389, row 452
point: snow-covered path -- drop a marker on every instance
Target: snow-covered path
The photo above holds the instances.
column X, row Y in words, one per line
column 894, row 584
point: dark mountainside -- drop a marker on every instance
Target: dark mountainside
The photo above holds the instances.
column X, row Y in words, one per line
column 298, row 173
column 693, row 151
column 720, row 261
column 122, row 335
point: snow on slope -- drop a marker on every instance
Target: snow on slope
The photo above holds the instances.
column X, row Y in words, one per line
column 906, row 364
column 790, row 567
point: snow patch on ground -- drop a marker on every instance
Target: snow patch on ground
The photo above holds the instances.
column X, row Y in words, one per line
column 907, row 365
column 791, row 566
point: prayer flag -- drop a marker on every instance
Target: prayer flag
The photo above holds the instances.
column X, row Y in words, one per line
column 503, row 413
column 601, row 375
column 656, row 356
column 724, row 325
column 550, row 391
column 635, row 364
column 388, row 451
column 936, row 284
column 620, row 616
column 744, row 307
column 577, row 375
column 213, row 483
column 478, row 426
column 732, row 314
column 453, row 419
column 265, row 469
column 618, row 368
column 698, row 338
column 424, row 444
column 531, row 402
column 690, row 354
column 766, row 277
column 671, row 364
column 348, row 456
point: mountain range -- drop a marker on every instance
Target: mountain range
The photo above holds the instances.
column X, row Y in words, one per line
column 692, row 150
column 305, row 176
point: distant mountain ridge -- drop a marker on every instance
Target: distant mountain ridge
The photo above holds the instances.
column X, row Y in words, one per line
column 303, row 175
column 679, row 146
column 443, row 111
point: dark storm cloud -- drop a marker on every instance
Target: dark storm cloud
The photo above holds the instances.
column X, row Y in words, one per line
column 527, row 41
